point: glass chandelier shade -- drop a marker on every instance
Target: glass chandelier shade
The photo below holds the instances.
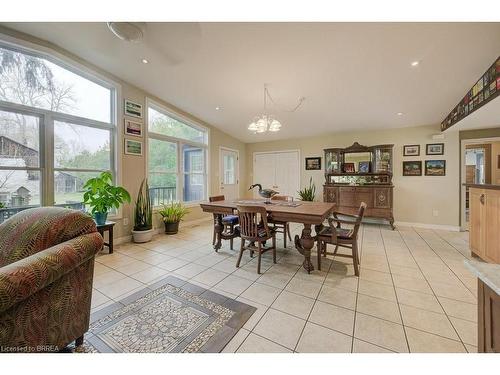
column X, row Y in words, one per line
column 264, row 123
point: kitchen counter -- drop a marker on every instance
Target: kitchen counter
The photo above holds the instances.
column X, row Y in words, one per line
column 486, row 272
column 483, row 186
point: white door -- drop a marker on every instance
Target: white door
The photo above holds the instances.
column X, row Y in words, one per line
column 277, row 170
column 229, row 173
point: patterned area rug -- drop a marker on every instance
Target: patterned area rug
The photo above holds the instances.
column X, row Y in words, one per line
column 170, row 316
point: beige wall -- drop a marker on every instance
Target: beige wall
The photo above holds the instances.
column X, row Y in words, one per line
column 132, row 169
column 415, row 198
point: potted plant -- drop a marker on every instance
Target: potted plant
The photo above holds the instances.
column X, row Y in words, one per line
column 172, row 214
column 143, row 216
column 308, row 193
column 102, row 196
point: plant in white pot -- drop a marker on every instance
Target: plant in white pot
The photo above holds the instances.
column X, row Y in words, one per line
column 101, row 196
column 143, row 217
column 172, row 215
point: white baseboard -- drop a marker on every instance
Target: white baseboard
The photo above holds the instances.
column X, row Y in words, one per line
column 451, row 228
column 190, row 223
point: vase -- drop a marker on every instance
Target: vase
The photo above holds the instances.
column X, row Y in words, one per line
column 100, row 218
column 140, row 236
column 171, row 228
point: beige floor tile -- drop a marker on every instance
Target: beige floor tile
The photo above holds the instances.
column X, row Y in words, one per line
column 134, row 267
column 210, row 277
column 98, row 299
column 343, row 282
column 379, row 308
column 190, row 270
column 380, row 332
column 100, row 269
column 211, row 260
column 458, row 309
column 471, row 348
column 256, row 344
column 334, row 317
column 466, row 330
column 247, row 274
column 376, row 276
column 280, row 328
column 407, row 271
column 107, row 278
column 423, row 342
column 417, row 299
column 233, row 284
column 150, row 274
column 294, row 304
column 119, row 288
column 236, row 341
column 228, row 265
column 412, row 283
column 428, row 321
column 261, row 293
column 377, row 290
column 256, row 316
column 459, row 293
column 173, row 264
column 337, row 296
column 318, row 339
column 303, row 287
column 276, row 279
column 360, row 346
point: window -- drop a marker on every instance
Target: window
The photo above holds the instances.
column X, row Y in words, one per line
column 177, row 154
column 57, row 130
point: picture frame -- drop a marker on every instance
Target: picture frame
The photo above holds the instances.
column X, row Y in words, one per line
column 364, row 167
column 412, row 168
column 434, row 149
column 133, row 147
column 349, row 168
column 132, row 109
column 411, row 150
column 133, row 128
column 313, row 164
column 435, row 167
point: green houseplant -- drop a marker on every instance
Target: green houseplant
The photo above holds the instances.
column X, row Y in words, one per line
column 102, row 196
column 172, row 214
column 143, row 215
column 308, row 193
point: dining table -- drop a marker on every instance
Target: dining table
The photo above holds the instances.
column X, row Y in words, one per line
column 305, row 213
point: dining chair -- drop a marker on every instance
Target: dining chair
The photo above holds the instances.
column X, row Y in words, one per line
column 228, row 221
column 334, row 234
column 280, row 226
column 255, row 229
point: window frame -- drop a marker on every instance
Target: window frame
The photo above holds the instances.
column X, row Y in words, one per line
column 180, row 142
column 48, row 117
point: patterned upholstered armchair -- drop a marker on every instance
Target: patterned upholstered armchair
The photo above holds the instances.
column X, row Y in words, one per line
column 46, row 269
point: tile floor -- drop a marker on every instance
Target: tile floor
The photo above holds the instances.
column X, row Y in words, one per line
column 413, row 295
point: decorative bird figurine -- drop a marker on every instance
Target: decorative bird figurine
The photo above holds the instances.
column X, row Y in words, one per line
column 265, row 193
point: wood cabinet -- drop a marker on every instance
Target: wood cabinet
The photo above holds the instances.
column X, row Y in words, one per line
column 488, row 319
column 484, row 222
column 378, row 199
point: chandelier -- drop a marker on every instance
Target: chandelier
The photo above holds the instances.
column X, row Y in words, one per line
column 266, row 122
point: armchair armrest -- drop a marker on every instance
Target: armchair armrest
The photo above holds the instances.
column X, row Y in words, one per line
column 335, row 213
column 23, row 278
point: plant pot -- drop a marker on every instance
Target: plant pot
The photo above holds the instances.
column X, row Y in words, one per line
column 171, row 228
column 100, row 218
column 140, row 236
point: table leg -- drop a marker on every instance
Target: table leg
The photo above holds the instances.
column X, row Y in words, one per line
column 219, row 228
column 110, row 246
column 304, row 244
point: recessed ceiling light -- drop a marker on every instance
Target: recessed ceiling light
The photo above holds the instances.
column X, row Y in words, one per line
column 144, row 61
column 218, row 108
column 400, row 113
column 415, row 63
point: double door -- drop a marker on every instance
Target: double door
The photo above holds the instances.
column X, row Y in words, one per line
column 279, row 171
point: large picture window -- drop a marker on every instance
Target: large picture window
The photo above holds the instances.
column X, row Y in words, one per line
column 57, row 130
column 177, row 153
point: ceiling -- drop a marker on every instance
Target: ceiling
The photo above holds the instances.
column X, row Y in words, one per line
column 354, row 76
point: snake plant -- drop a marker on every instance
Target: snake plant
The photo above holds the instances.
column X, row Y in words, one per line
column 308, row 193
column 143, row 219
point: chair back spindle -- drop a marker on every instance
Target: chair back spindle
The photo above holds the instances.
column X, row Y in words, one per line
column 252, row 220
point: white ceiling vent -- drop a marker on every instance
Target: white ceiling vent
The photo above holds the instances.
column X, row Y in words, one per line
column 128, row 31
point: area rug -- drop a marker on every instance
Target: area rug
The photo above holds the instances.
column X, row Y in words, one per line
column 171, row 316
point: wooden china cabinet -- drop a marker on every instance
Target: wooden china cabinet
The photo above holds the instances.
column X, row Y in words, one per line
column 360, row 174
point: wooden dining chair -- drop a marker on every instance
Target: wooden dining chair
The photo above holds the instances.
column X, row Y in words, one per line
column 254, row 229
column 334, row 234
column 229, row 222
column 280, row 226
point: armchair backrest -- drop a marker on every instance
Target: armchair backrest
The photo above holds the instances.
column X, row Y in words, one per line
column 359, row 218
column 37, row 229
column 253, row 220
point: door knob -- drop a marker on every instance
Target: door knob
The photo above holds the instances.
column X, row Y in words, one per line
column 481, row 199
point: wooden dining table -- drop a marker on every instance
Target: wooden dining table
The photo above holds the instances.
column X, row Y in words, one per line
column 306, row 213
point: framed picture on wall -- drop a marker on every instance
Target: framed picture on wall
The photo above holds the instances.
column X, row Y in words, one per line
column 133, row 128
column 133, row 109
column 435, row 167
column 412, row 168
column 313, row 164
column 133, row 147
column 411, row 150
column 434, row 149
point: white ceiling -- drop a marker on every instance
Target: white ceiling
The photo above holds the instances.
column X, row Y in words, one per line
column 353, row 75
